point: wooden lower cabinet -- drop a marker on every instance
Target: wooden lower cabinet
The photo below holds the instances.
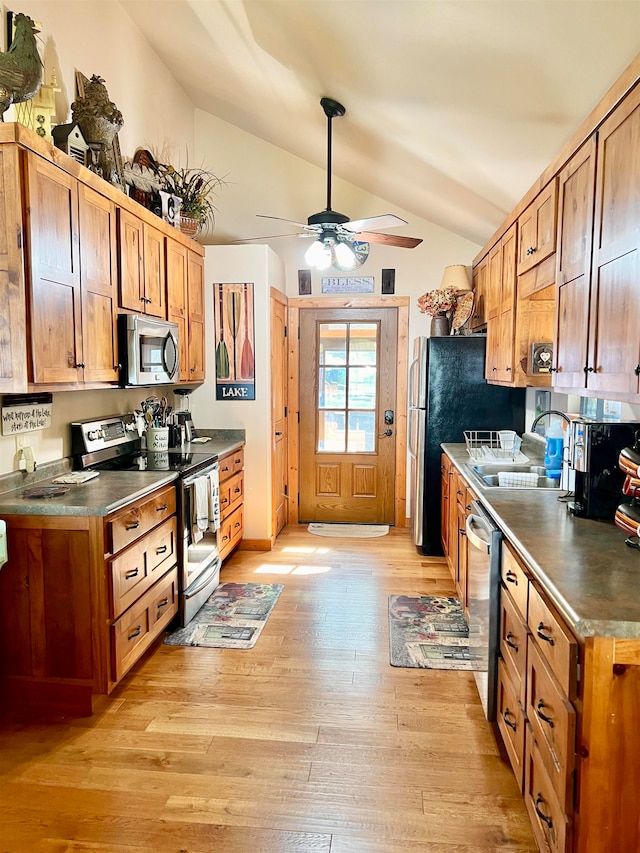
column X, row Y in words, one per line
column 81, row 599
column 231, row 473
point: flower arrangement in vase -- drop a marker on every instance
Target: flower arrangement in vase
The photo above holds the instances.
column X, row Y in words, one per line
column 195, row 188
column 437, row 303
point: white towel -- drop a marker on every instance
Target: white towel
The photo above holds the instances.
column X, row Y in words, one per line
column 200, row 508
column 214, row 501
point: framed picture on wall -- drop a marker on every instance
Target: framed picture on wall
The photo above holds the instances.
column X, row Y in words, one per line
column 234, row 341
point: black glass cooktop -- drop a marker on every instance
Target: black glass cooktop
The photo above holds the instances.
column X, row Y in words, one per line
column 158, row 460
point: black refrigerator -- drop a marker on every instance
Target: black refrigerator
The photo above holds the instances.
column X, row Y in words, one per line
column 448, row 394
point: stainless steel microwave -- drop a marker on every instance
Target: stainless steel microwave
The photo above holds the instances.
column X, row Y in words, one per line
column 149, row 350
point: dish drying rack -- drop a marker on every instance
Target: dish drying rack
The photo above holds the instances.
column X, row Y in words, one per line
column 494, row 445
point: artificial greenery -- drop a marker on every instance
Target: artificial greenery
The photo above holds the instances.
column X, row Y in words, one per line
column 196, row 188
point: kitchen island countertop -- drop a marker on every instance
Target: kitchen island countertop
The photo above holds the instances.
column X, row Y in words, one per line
column 583, row 565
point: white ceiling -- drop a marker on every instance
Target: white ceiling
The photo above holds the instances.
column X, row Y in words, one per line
column 454, row 107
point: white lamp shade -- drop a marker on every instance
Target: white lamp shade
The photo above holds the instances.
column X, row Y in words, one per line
column 456, row 276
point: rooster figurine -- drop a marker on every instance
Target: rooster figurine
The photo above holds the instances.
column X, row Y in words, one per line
column 20, row 66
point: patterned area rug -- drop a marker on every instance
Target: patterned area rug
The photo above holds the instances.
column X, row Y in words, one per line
column 430, row 632
column 231, row 618
column 351, row 531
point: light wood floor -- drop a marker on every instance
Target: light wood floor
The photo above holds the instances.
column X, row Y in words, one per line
column 309, row 743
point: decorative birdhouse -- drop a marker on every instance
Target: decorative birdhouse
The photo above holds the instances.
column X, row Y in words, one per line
column 69, row 138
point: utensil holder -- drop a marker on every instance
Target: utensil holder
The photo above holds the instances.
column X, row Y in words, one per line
column 157, row 438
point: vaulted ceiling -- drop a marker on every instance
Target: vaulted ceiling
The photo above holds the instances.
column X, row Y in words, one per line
column 454, row 107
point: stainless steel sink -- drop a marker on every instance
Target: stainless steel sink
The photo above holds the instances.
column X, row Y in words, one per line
column 485, row 474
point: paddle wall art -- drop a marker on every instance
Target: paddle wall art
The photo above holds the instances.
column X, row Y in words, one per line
column 235, row 359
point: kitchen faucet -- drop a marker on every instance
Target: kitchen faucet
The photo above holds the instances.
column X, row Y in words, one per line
column 544, row 415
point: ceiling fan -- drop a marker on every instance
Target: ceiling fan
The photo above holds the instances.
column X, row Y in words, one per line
column 340, row 241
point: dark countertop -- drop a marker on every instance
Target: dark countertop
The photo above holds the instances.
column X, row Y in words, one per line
column 583, row 565
column 105, row 493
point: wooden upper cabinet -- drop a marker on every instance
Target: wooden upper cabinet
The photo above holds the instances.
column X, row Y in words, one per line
column 537, row 228
column 613, row 359
column 177, row 300
column 508, row 270
column 502, row 310
column 480, row 273
column 53, row 239
column 494, row 281
column 142, row 266
column 195, row 280
column 13, row 330
column 573, row 266
column 98, row 286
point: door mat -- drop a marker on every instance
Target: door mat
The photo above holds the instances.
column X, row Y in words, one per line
column 232, row 617
column 431, row 632
column 350, row 531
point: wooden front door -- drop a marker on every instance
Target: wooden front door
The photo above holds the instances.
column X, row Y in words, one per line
column 347, row 414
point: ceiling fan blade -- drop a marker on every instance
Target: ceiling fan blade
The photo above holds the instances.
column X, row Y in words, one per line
column 389, row 239
column 270, row 237
column 387, row 220
column 290, row 221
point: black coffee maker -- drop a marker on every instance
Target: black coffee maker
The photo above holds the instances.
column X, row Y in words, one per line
column 182, row 415
column 594, row 450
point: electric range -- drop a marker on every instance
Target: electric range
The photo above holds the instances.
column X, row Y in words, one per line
column 114, row 444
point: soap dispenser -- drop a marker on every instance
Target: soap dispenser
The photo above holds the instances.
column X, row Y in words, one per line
column 553, row 451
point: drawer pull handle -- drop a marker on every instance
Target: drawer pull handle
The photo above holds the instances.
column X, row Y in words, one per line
column 135, row 633
column 542, row 716
column 133, row 526
column 162, row 508
column 509, row 641
column 162, row 549
column 238, row 460
column 236, row 491
column 225, row 469
column 163, row 603
column 541, row 814
column 545, row 637
column 459, row 492
column 506, row 714
column 237, row 524
column 511, row 577
column 224, row 501
column 131, row 574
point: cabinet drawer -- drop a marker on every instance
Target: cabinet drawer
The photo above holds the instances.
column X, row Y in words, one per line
column 515, row 579
column 551, row 826
column 231, row 464
column 129, row 524
column 133, row 571
column 513, row 644
column 511, row 721
column 553, row 720
column 138, row 627
column 231, row 493
column 558, row 647
column 230, row 532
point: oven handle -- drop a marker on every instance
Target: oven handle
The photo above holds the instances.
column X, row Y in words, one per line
column 474, row 528
column 205, row 579
column 189, row 481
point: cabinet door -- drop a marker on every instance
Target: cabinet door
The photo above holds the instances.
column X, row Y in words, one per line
column 195, row 278
column 445, row 468
column 56, row 333
column 613, row 362
column 494, row 284
column 13, row 334
column 508, row 270
column 98, row 286
column 155, row 281
column 506, row 334
column 537, row 229
column 131, row 270
column 573, row 266
column 177, row 300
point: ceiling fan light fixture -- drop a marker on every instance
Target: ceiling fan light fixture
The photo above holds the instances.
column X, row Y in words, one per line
column 345, row 255
column 319, row 255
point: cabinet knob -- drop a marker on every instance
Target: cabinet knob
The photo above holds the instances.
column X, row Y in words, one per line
column 637, row 370
column 80, row 364
column 494, row 369
column 531, row 250
column 588, row 369
column 117, row 367
column 553, row 370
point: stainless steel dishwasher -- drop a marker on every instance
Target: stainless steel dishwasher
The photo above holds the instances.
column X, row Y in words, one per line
column 483, row 598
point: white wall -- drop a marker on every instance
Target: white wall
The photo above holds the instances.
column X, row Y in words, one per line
column 231, row 265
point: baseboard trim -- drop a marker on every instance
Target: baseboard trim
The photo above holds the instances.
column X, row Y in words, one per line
column 255, row 545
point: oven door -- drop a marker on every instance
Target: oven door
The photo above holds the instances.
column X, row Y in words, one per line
column 200, row 562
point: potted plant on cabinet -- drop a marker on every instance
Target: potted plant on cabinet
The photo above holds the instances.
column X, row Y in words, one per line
column 196, row 189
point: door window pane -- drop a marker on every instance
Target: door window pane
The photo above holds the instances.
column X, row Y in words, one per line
column 362, row 437
column 333, row 343
column 363, row 341
column 331, row 432
column 362, row 387
column 332, row 388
